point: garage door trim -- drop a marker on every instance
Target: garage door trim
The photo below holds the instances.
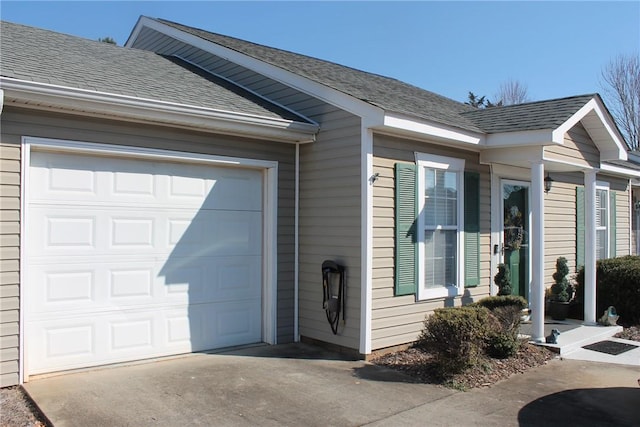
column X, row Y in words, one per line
column 270, row 197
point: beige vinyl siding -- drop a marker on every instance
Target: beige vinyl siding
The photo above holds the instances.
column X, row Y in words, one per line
column 18, row 122
column 578, row 149
column 560, row 219
column 329, row 188
column 560, row 223
column 9, row 261
column 398, row 320
column 330, row 222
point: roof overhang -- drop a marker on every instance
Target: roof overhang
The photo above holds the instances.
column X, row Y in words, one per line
column 41, row 96
column 303, row 84
column 403, row 125
column 620, row 170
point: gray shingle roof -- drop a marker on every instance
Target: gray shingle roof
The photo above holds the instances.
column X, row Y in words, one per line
column 530, row 116
column 384, row 92
column 43, row 56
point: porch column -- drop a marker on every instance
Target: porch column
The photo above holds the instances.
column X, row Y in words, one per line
column 536, row 242
column 590, row 247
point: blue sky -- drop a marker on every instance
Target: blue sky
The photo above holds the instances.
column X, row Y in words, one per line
column 556, row 48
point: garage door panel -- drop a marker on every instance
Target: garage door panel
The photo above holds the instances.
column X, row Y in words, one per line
column 79, row 230
column 131, row 259
column 70, row 343
column 63, row 287
column 114, row 181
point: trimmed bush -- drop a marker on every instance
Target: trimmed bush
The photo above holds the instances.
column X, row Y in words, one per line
column 457, row 336
column 503, row 301
column 502, row 346
column 503, row 343
column 617, row 284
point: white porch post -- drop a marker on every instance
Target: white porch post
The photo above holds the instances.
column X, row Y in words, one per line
column 590, row 247
column 537, row 250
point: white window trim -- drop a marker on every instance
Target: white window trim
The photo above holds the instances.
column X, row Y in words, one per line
column 423, row 161
column 601, row 185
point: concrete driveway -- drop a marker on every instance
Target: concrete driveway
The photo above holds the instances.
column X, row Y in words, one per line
column 302, row 385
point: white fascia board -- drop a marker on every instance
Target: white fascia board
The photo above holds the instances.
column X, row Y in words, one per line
column 619, row 170
column 512, row 155
column 47, row 96
column 519, row 139
column 295, row 81
column 401, row 124
column 616, row 147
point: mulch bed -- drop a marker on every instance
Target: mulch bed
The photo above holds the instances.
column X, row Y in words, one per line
column 630, row 333
column 420, row 365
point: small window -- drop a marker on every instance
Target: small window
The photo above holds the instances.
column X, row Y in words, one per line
column 440, row 225
column 602, row 222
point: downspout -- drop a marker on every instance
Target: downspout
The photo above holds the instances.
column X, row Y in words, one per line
column 296, row 245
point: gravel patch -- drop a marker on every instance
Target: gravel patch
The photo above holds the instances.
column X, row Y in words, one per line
column 17, row 410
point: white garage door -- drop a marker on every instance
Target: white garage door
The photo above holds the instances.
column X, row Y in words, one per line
column 131, row 259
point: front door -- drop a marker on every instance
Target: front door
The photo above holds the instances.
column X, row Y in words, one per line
column 515, row 235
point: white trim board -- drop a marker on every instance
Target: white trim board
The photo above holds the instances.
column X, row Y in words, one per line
column 50, row 97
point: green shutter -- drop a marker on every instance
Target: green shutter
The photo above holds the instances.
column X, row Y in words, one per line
column 612, row 224
column 579, row 226
column 406, row 250
column 471, row 229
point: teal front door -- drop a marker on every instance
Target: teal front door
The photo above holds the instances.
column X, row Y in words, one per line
column 515, row 220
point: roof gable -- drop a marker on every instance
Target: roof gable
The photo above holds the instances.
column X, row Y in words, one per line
column 389, row 94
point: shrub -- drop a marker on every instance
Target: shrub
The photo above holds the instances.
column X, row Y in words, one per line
column 617, row 284
column 503, row 343
column 503, row 301
column 502, row 346
column 457, row 336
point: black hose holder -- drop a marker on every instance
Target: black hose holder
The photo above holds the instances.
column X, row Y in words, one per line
column 333, row 286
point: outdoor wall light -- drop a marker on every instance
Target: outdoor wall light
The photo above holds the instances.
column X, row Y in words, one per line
column 637, row 206
column 547, row 183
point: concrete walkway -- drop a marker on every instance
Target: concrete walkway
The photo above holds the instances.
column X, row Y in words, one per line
column 301, row 385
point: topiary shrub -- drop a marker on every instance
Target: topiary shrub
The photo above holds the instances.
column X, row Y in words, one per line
column 502, row 280
column 457, row 336
column 617, row 284
column 561, row 290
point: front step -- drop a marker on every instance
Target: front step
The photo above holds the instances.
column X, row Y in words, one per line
column 576, row 338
